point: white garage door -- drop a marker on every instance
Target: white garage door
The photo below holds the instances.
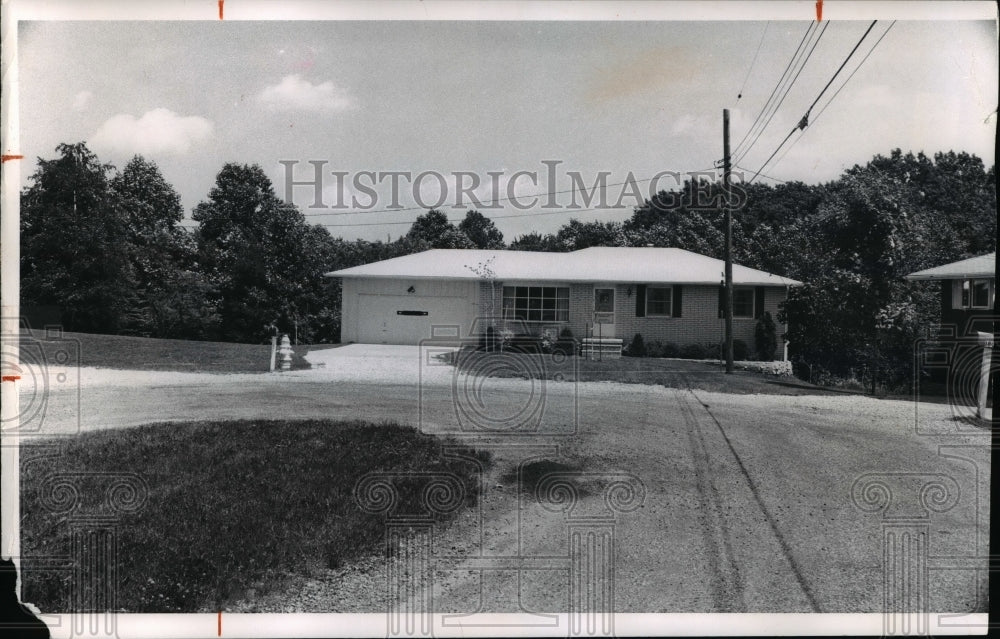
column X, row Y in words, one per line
column 407, row 319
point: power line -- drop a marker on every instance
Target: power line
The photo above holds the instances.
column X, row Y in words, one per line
column 459, row 219
column 763, row 174
column 832, row 98
column 804, row 122
column 494, row 200
column 752, row 62
column 784, row 95
column 781, row 80
column 771, row 156
column 815, row 42
column 496, row 217
column 842, row 64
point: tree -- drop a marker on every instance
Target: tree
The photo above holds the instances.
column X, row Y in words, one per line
column 876, row 224
column 850, row 241
column 266, row 262
column 172, row 298
column 481, row 231
column 152, row 203
column 494, row 302
column 434, row 228
column 578, row 235
column 453, row 239
column 534, row 241
column 74, row 243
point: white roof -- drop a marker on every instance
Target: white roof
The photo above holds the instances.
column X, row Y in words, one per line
column 595, row 264
column 981, row 266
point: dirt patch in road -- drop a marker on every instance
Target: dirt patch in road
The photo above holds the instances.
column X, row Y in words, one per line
column 533, row 472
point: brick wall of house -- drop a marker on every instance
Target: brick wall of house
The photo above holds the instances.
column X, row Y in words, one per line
column 484, row 307
column 699, row 323
column 581, row 308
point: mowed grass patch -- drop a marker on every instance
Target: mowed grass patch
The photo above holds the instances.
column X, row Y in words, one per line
column 146, row 353
column 233, row 507
column 672, row 373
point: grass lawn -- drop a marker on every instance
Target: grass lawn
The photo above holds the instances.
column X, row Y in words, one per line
column 233, row 507
column 145, row 353
column 673, row 373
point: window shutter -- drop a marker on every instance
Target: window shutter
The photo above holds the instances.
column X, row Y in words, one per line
column 640, row 300
column 678, row 300
column 946, row 294
column 758, row 302
column 722, row 300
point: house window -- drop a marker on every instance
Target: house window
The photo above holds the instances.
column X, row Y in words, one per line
column 659, row 301
column 536, row 303
column 604, row 300
column 743, row 299
column 980, row 294
column 973, row 293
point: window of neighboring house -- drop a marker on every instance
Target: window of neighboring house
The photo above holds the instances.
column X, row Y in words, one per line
column 980, row 293
column 971, row 293
column 743, row 299
column 536, row 303
column 659, row 301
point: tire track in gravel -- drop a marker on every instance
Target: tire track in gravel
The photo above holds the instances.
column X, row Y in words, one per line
column 726, row 582
column 786, row 551
column 733, row 589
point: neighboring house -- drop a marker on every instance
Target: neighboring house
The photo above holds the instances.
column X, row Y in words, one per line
column 666, row 294
column 968, row 288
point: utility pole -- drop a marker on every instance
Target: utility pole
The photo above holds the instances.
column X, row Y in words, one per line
column 729, row 240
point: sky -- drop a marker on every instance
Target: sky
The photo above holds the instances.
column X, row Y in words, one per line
column 628, row 98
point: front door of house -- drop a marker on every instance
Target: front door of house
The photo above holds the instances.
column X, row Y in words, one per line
column 604, row 312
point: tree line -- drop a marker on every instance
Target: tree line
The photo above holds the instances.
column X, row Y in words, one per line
column 107, row 249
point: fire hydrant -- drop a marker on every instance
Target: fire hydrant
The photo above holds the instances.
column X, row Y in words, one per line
column 285, row 353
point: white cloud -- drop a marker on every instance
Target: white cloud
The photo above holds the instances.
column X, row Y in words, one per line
column 81, row 100
column 695, row 126
column 298, row 94
column 160, row 131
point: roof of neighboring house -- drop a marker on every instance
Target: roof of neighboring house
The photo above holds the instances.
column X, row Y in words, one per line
column 982, row 266
column 595, row 264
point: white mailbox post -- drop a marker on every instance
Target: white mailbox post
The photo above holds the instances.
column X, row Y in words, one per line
column 986, row 340
column 274, row 351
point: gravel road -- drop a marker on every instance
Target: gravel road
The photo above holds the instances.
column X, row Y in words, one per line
column 746, row 499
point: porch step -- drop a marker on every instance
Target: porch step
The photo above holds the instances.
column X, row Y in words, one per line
column 601, row 347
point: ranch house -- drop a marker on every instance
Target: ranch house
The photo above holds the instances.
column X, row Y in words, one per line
column 968, row 292
column 968, row 288
column 665, row 294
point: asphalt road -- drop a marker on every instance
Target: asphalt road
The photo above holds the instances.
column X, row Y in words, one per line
column 746, row 500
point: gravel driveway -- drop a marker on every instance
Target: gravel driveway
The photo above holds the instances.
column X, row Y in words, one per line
column 747, row 499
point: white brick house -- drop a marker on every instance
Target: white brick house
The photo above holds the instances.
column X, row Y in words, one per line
column 665, row 294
